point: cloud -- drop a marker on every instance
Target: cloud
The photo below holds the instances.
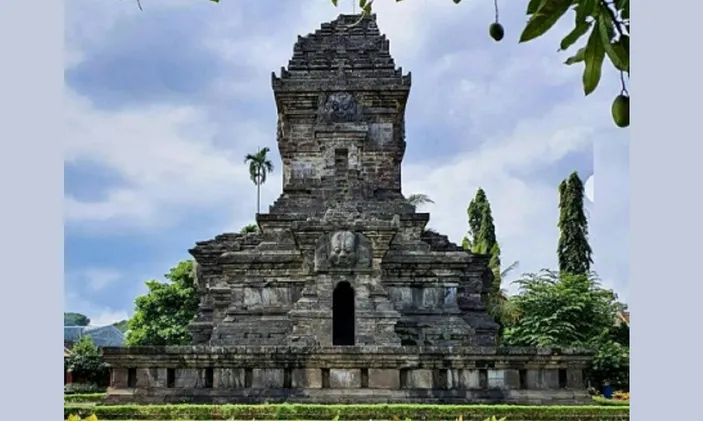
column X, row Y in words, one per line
column 108, row 317
column 165, row 156
column 98, row 279
column 508, row 117
column 99, row 315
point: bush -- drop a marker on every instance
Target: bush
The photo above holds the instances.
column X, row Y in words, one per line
column 600, row 400
column 84, row 397
column 350, row 412
column 83, row 388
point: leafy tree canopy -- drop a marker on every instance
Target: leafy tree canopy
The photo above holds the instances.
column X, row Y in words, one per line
column 162, row 315
column 86, row 361
column 122, row 325
column 561, row 310
column 75, row 319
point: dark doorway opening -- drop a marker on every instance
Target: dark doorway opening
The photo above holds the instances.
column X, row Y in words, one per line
column 343, row 314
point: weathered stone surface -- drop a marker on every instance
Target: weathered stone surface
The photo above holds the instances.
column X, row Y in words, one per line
column 384, row 378
column 342, row 295
column 229, row 378
column 267, row 378
column 420, row 379
column 307, row 378
column 342, row 378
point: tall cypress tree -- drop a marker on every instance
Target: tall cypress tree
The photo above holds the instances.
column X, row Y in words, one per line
column 475, row 213
column 482, row 234
column 573, row 250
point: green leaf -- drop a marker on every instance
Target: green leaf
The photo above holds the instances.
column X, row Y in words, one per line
column 334, row 2
column 367, row 7
column 615, row 51
column 576, row 58
column 533, row 5
column 573, row 36
column 362, row 4
column 625, row 9
column 593, row 59
column 455, row 1
column 546, row 16
column 585, row 8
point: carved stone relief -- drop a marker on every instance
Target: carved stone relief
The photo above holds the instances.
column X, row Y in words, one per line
column 343, row 250
column 339, row 107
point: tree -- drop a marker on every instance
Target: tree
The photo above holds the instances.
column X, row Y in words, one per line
column 573, row 250
column 259, row 167
column 86, row 362
column 559, row 309
column 75, row 319
column 122, row 325
column 249, row 229
column 162, row 316
column 607, row 24
column 419, row 199
column 482, row 239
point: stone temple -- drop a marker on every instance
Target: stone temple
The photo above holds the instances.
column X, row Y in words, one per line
column 343, row 296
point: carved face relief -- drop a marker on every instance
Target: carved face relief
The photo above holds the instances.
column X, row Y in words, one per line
column 343, row 249
column 340, row 107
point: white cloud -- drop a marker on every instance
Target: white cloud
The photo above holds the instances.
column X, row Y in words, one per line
column 494, row 96
column 98, row 279
column 166, row 157
column 108, row 317
column 99, row 315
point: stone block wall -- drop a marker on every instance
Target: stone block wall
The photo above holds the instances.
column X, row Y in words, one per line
column 372, row 374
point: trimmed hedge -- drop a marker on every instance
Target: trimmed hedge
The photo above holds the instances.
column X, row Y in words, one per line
column 609, row 402
column 350, row 412
column 84, row 397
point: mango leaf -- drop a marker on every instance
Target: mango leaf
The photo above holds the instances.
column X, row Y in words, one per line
column 625, row 9
column 455, row 1
column 593, row 59
column 625, row 42
column 585, row 8
column 362, row 4
column 616, row 53
column 579, row 30
column 533, row 5
column 544, row 18
column 576, row 58
column 334, row 2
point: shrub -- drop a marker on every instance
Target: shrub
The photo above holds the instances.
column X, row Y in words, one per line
column 84, row 397
column 600, row 400
column 351, row 412
column 83, row 388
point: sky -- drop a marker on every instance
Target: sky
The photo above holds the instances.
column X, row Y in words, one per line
column 162, row 105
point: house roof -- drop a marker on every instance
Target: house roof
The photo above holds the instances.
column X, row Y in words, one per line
column 102, row 335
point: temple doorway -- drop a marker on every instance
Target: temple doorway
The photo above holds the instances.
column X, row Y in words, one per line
column 343, row 314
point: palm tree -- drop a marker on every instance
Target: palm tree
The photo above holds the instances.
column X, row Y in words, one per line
column 417, row 199
column 499, row 305
column 259, row 167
